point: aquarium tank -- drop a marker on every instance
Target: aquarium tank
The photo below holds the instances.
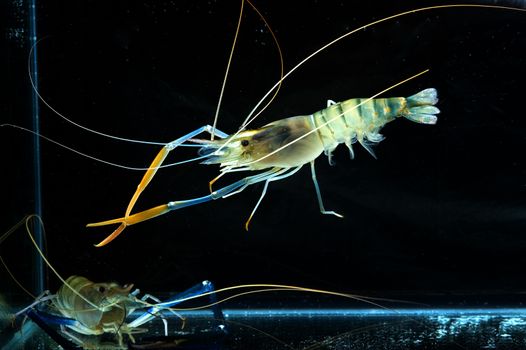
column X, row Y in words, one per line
column 226, row 247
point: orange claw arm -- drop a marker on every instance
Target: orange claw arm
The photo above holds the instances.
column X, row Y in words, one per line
column 144, row 215
column 148, row 176
column 111, row 237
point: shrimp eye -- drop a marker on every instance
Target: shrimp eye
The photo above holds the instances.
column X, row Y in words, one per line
column 244, row 143
column 102, row 289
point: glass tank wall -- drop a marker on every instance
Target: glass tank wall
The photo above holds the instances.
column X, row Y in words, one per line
column 436, row 222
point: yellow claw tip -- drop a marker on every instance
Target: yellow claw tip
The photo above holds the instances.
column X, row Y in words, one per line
column 111, row 237
column 247, row 223
column 103, row 242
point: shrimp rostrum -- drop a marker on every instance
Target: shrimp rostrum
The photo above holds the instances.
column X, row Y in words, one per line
column 279, row 149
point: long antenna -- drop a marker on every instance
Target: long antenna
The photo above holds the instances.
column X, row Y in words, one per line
column 227, row 70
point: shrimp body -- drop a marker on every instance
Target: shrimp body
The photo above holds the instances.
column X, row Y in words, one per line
column 295, row 141
column 282, row 147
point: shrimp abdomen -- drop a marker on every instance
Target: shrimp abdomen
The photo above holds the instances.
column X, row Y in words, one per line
column 360, row 119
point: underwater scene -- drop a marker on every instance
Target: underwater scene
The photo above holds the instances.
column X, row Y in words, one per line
column 263, row 175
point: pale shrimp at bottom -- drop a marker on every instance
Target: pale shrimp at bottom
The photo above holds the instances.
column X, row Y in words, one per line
column 84, row 310
column 282, row 147
column 89, row 308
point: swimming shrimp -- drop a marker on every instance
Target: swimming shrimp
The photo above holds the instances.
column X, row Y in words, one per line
column 282, row 147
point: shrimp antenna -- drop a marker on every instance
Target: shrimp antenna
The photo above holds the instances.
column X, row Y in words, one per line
column 41, row 98
column 227, row 70
column 27, row 219
column 35, row 88
column 100, row 160
column 271, row 287
column 282, row 66
column 216, row 116
column 15, row 279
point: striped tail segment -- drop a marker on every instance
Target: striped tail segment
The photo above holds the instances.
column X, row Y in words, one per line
column 420, row 107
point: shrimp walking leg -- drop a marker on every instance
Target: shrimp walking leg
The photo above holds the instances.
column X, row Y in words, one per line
column 277, row 176
column 147, row 297
column 148, row 176
column 161, row 156
column 318, row 193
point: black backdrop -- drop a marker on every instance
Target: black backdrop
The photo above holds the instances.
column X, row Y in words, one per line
column 442, row 209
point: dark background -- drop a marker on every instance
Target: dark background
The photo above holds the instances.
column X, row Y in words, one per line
column 442, row 209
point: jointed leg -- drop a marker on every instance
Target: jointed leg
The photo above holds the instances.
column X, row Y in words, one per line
column 148, row 176
column 145, row 297
column 157, row 309
column 318, row 193
column 161, row 156
column 263, row 193
column 277, row 176
column 254, row 179
column 235, row 187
